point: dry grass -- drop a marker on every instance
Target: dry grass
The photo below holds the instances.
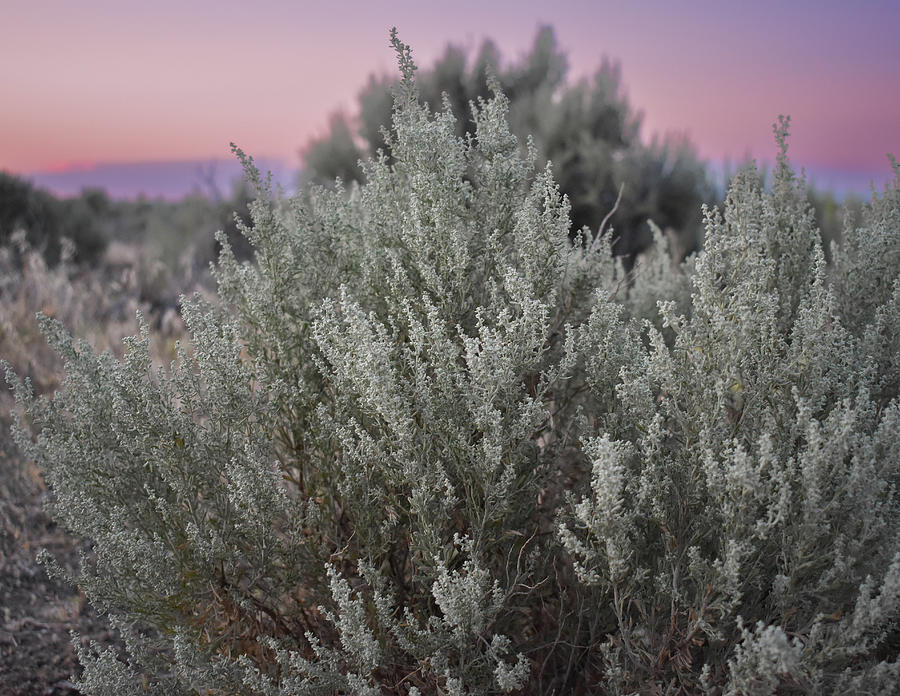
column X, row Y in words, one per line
column 99, row 305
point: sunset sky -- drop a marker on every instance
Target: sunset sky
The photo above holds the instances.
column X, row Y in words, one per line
column 114, row 82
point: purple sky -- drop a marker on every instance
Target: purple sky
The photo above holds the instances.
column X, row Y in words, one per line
column 91, row 87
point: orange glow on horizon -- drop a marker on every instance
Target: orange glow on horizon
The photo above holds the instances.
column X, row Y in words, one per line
column 58, row 166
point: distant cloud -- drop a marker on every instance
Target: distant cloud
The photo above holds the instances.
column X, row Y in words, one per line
column 167, row 180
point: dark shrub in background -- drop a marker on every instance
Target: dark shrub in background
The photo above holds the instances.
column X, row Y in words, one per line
column 47, row 220
column 587, row 129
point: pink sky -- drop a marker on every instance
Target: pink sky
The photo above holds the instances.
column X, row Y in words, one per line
column 113, row 81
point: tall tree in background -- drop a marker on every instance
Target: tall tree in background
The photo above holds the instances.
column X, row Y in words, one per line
column 587, row 129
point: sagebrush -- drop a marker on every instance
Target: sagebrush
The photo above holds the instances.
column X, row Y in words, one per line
column 429, row 444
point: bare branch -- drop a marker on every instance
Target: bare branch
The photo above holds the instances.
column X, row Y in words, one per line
column 600, row 231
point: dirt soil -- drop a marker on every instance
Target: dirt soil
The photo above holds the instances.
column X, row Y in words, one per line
column 37, row 613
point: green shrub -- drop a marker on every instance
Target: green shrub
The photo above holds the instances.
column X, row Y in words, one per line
column 425, row 447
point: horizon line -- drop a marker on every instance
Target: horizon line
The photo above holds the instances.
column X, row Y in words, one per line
column 174, row 179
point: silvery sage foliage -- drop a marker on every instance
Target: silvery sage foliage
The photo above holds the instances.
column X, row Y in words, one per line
column 427, row 445
column 741, row 528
